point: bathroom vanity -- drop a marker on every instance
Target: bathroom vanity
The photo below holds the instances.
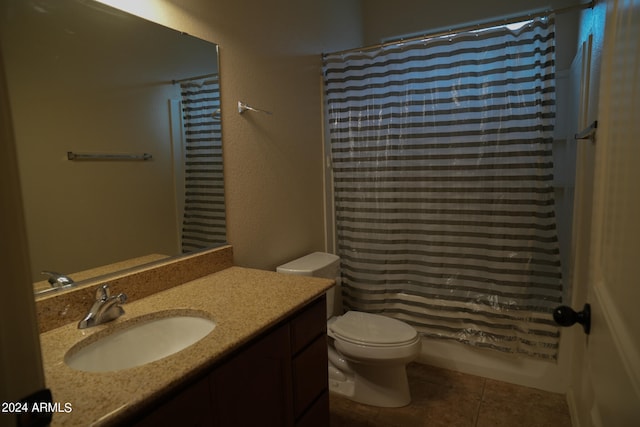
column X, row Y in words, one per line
column 278, row 379
column 264, row 363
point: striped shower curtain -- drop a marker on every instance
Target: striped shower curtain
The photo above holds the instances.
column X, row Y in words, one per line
column 204, row 223
column 442, row 169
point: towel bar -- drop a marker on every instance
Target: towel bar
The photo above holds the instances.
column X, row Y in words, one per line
column 106, row 156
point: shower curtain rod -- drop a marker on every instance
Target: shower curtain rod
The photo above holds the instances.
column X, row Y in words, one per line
column 186, row 79
column 487, row 24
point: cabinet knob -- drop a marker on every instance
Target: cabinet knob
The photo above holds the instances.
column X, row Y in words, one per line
column 566, row 316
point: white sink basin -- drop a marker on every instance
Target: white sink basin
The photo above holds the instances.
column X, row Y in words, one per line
column 138, row 344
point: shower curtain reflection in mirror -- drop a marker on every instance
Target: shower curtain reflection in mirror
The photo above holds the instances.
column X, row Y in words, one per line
column 203, row 219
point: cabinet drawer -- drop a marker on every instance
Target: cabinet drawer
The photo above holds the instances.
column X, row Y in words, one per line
column 310, row 378
column 309, row 324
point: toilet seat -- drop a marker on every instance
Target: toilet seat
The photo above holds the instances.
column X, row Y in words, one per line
column 372, row 330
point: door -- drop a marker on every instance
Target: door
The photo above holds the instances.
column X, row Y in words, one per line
column 613, row 347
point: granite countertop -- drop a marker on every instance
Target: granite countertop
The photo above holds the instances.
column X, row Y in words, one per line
column 243, row 303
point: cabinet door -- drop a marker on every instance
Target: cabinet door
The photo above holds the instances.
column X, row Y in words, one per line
column 318, row 414
column 254, row 388
column 189, row 408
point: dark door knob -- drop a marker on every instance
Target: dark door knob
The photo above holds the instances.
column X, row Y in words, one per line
column 566, row 316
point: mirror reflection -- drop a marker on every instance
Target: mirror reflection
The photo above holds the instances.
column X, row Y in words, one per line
column 138, row 106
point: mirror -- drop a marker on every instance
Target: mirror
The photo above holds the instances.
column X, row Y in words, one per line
column 138, row 107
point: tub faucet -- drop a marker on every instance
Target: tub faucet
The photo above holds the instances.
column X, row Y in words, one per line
column 105, row 309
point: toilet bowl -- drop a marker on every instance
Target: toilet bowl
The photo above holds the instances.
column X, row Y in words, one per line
column 368, row 353
column 376, row 350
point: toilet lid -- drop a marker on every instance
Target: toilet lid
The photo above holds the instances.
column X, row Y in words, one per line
column 372, row 329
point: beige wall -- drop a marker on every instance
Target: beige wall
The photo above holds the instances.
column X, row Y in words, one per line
column 270, row 59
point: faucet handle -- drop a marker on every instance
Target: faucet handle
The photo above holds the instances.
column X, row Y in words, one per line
column 104, row 309
column 102, row 293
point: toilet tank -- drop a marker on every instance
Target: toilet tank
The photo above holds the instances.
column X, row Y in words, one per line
column 318, row 264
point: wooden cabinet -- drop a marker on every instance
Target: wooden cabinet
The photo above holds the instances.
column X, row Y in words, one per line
column 279, row 379
column 254, row 387
column 188, row 408
column 309, row 362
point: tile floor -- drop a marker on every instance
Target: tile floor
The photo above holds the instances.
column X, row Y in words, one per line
column 444, row 398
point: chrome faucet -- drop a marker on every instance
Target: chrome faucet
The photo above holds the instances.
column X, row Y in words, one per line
column 57, row 280
column 105, row 309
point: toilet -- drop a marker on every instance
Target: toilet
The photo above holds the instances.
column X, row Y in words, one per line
column 368, row 353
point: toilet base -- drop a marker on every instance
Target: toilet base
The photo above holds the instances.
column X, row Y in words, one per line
column 370, row 385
